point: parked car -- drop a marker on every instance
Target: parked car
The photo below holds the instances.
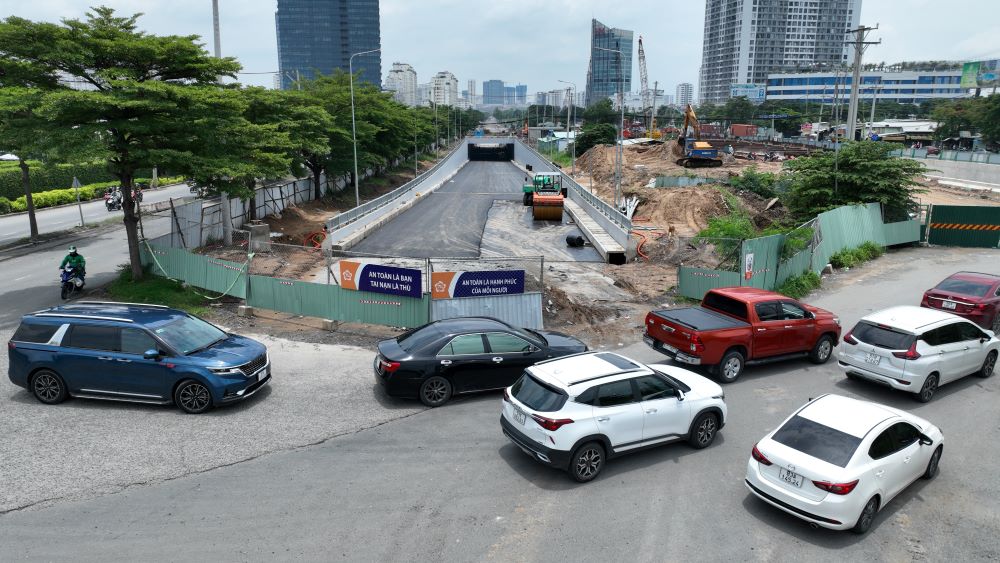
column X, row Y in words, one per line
column 931, row 151
column 739, row 326
column 837, row 461
column 916, row 350
column 970, row 295
column 134, row 352
column 574, row 413
column 443, row 358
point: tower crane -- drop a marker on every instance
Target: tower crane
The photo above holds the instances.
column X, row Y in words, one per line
column 647, row 101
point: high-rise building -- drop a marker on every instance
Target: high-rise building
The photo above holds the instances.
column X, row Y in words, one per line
column 444, row 88
column 521, row 94
column 424, row 94
column 608, row 72
column 685, row 94
column 402, row 80
column 472, row 91
column 508, row 95
column 745, row 40
column 493, row 92
column 316, row 36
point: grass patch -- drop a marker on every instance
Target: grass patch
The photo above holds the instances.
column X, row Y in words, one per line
column 799, row 286
column 851, row 257
column 156, row 290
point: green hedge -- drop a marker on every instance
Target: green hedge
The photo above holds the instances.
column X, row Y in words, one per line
column 51, row 198
column 47, row 178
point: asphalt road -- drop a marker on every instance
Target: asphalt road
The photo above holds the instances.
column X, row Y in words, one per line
column 445, row 485
column 31, row 281
column 15, row 227
column 449, row 222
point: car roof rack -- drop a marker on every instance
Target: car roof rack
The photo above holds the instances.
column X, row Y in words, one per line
column 609, row 374
column 154, row 306
column 89, row 317
column 558, row 358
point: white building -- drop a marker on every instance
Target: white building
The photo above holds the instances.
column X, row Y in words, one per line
column 905, row 87
column 745, row 40
column 402, row 80
column 424, row 96
column 472, row 91
column 685, row 94
column 444, row 88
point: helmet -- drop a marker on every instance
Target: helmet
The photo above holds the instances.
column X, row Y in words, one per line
column 72, row 249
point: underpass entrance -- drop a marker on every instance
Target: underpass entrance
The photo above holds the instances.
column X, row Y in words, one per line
column 491, row 151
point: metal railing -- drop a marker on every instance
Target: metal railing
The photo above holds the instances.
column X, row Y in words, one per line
column 346, row 218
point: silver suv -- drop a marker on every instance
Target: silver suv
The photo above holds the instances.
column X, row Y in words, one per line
column 577, row 411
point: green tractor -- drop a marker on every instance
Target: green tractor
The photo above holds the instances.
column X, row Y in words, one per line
column 545, row 194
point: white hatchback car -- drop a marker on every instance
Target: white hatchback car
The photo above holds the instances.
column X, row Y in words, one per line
column 836, row 461
column 577, row 411
column 916, row 349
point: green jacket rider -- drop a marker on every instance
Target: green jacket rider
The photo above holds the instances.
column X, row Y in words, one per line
column 74, row 259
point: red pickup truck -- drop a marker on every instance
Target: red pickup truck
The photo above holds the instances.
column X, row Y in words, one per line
column 737, row 326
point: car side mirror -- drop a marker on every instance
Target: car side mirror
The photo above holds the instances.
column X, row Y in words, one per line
column 680, row 395
column 925, row 440
column 151, row 354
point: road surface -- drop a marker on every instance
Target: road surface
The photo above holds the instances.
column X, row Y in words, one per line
column 15, row 227
column 446, row 485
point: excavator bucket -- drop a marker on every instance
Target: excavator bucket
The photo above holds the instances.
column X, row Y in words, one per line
column 547, row 207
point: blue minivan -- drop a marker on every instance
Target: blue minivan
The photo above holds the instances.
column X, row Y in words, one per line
column 134, row 352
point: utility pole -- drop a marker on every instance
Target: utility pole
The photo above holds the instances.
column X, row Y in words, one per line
column 652, row 110
column 215, row 28
column 224, row 203
column 859, row 49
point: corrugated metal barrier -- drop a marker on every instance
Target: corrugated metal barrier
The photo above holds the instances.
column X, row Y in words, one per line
column 523, row 310
column 964, row 225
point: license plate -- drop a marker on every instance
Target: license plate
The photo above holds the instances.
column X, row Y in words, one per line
column 873, row 359
column 948, row 304
column 790, row 477
column 519, row 416
column 670, row 348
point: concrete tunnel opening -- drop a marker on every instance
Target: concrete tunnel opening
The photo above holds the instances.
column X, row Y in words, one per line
column 496, row 152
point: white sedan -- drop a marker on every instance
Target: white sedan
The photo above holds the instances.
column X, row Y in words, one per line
column 836, row 461
column 916, row 349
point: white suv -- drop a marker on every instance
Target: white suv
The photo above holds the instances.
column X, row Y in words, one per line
column 916, row 349
column 577, row 411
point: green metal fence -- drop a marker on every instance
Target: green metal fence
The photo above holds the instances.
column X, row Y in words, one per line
column 964, row 225
column 836, row 230
column 213, row 274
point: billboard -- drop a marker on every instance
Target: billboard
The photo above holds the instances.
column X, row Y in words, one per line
column 981, row 74
column 376, row 278
column 445, row 285
column 753, row 92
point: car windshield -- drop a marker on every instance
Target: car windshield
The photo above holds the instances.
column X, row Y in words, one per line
column 187, row 335
column 419, row 338
column 965, row 287
column 817, row 440
column 882, row 336
column 537, row 396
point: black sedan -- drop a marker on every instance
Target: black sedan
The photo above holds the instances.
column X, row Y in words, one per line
column 440, row 359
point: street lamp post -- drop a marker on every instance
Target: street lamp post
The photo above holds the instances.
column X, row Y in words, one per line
column 572, row 105
column 621, row 131
column 354, row 130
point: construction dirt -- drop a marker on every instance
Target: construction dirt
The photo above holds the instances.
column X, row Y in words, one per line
column 940, row 194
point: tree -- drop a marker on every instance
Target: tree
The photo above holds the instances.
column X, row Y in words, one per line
column 738, row 110
column 156, row 99
column 595, row 134
column 960, row 115
column 988, row 119
column 602, row 112
column 21, row 133
column 860, row 172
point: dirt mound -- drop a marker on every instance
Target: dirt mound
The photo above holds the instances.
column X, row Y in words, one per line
column 684, row 210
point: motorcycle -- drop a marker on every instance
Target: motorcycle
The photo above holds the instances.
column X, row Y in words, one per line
column 71, row 281
column 113, row 200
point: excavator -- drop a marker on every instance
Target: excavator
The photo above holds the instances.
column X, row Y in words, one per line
column 545, row 195
column 694, row 153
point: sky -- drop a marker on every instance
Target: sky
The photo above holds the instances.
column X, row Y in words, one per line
column 539, row 42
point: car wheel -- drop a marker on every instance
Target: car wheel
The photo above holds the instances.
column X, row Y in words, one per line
column 435, row 391
column 927, row 391
column 932, row 465
column 48, row 387
column 731, row 367
column 867, row 517
column 989, row 364
column 193, row 397
column 587, row 462
column 822, row 350
column 703, row 431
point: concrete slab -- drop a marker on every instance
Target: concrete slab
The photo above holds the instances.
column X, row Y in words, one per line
column 511, row 231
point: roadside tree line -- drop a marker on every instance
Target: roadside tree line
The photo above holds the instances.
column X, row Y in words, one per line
column 161, row 101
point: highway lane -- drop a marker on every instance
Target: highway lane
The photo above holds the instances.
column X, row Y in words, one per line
column 32, row 280
column 15, row 227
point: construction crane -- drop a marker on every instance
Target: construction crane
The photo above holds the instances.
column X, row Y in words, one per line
column 644, row 81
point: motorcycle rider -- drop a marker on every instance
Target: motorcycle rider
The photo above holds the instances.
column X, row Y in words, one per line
column 75, row 260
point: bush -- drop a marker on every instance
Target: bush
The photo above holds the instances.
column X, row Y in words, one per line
column 851, row 257
column 760, row 183
column 60, row 176
column 61, row 197
column 798, row 287
column 4, row 205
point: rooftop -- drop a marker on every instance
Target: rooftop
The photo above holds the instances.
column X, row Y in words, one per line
column 848, row 415
column 909, row 318
column 572, row 370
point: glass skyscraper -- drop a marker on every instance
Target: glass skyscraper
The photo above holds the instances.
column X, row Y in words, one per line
column 605, row 70
column 319, row 36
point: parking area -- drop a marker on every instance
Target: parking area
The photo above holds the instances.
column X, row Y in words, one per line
column 446, row 484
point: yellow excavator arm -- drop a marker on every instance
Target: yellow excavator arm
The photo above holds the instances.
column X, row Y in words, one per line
column 690, row 119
